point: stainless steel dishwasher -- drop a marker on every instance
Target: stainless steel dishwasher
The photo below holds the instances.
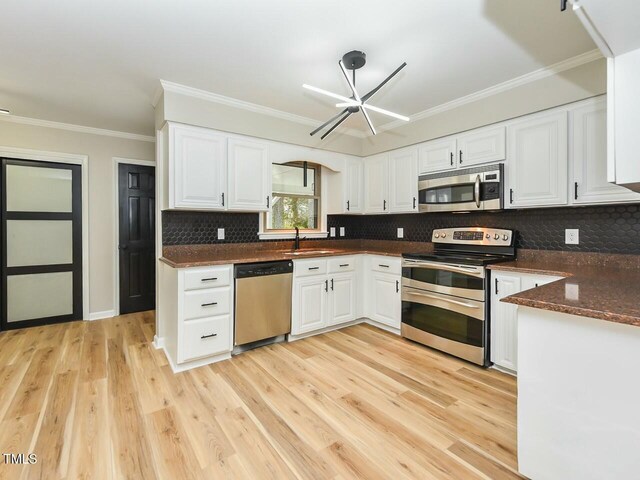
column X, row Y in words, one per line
column 263, row 302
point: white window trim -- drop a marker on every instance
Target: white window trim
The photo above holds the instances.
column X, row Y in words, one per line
column 321, row 233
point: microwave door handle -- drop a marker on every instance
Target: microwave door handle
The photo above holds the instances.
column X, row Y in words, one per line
column 476, row 191
column 455, row 302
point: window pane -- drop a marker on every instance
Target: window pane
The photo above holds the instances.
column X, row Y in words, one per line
column 290, row 212
column 38, row 189
column 39, row 242
column 290, row 179
column 39, row 295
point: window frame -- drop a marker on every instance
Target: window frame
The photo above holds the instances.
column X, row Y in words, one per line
column 320, row 190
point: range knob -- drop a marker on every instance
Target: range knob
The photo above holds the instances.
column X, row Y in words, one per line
column 444, row 235
column 505, row 237
column 488, row 236
column 437, row 235
column 496, row 236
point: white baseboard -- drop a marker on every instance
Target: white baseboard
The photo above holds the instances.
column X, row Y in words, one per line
column 381, row 326
column 101, row 315
column 158, row 342
column 293, row 338
column 195, row 363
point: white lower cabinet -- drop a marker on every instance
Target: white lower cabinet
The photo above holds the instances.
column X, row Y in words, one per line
column 195, row 314
column 325, row 293
column 504, row 320
column 383, row 302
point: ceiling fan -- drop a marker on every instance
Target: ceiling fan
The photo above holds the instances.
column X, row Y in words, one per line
column 354, row 60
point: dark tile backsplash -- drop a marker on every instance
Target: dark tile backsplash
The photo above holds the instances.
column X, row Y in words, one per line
column 606, row 229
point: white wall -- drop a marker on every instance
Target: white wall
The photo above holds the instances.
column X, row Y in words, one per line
column 100, row 150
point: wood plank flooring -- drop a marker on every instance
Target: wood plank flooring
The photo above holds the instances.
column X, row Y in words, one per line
column 96, row 400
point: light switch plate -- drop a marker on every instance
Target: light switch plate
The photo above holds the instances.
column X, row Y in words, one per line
column 221, row 234
column 400, row 232
column 342, row 231
column 332, row 232
column 572, row 236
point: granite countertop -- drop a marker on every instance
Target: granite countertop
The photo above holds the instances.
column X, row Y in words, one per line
column 602, row 286
column 184, row 256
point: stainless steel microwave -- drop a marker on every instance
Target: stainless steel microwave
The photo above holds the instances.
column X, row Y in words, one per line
column 468, row 190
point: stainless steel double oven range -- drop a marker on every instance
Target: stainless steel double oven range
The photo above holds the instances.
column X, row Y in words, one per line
column 445, row 294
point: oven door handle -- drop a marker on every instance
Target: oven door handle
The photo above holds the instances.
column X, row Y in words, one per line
column 476, row 191
column 455, row 302
column 475, row 271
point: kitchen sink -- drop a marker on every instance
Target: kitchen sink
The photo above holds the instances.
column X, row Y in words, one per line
column 309, row 252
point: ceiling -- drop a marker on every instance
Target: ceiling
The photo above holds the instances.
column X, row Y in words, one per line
column 98, row 63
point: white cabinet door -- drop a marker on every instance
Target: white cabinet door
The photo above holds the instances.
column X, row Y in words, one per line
column 353, row 187
column 376, row 184
column 309, row 304
column 437, row 155
column 504, row 322
column 483, row 145
column 249, row 175
column 342, row 298
column 403, row 180
column 198, row 168
column 588, row 154
column 385, row 298
column 537, row 148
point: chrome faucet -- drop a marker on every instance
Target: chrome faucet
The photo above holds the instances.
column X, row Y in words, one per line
column 296, row 243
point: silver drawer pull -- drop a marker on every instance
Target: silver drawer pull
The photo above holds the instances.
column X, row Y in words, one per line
column 455, row 302
column 209, row 304
column 209, row 279
column 344, row 265
column 209, row 336
column 314, row 268
column 381, row 265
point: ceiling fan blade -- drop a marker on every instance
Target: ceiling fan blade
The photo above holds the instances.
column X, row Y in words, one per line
column 366, row 116
column 348, row 104
column 326, row 92
column 335, row 117
column 351, row 85
column 335, row 125
column 375, row 90
column 386, row 112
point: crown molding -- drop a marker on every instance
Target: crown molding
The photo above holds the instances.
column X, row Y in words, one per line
column 536, row 75
column 76, row 128
column 167, row 86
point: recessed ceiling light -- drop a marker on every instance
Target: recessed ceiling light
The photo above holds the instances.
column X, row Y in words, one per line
column 4, row 112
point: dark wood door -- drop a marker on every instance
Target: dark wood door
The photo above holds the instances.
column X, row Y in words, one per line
column 136, row 187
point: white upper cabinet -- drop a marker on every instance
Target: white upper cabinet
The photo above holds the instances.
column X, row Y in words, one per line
column 588, row 157
column 437, row 155
column 353, row 187
column 197, row 168
column 376, row 184
column 483, row 145
column 537, row 152
column 403, row 180
column 249, row 175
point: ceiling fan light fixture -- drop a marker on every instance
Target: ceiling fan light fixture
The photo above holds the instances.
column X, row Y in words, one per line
column 352, row 61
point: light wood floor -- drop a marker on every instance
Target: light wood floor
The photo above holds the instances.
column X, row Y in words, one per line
column 96, row 400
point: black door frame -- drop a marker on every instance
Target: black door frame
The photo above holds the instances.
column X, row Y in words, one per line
column 76, row 216
column 117, row 212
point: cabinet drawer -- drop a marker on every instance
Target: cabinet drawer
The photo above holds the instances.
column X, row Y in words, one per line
column 341, row 264
column 205, row 337
column 311, row 266
column 386, row 265
column 206, row 303
column 207, row 277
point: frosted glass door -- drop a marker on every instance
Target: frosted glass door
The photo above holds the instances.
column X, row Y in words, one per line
column 41, row 243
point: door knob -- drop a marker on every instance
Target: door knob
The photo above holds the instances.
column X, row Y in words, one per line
column 123, row 247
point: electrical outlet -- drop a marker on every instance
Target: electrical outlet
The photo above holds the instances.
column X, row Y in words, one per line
column 572, row 236
column 342, row 231
column 332, row 231
column 400, row 232
column 221, row 234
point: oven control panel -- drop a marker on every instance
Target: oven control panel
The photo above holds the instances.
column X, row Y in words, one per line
column 473, row 236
